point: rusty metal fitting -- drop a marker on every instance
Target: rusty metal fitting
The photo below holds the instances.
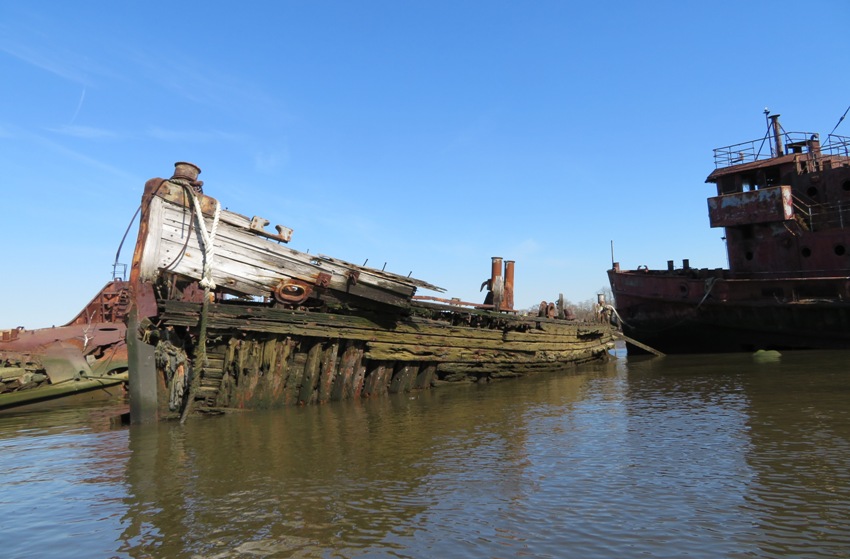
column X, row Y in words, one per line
column 188, row 172
column 292, row 291
column 185, row 170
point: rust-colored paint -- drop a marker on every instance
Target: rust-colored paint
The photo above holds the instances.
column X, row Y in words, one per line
column 756, row 206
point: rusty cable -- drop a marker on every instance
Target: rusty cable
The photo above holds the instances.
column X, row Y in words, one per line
column 839, row 121
column 124, row 238
column 127, row 231
column 188, row 233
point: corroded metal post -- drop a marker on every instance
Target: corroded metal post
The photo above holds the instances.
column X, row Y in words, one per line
column 508, row 297
column 777, row 135
column 140, row 360
column 144, row 407
column 496, row 283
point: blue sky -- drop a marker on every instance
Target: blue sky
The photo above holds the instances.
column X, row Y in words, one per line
column 429, row 136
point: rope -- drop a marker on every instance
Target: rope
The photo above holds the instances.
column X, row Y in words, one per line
column 709, row 285
column 208, row 284
column 620, row 318
column 209, row 248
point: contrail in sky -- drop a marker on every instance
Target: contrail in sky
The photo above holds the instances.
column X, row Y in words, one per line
column 79, row 106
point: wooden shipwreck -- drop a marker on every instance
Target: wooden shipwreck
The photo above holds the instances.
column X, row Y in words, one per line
column 225, row 315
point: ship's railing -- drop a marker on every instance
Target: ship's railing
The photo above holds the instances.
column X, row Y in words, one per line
column 837, row 145
column 820, row 217
column 755, row 150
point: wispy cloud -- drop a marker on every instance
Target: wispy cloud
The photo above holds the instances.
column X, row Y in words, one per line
column 85, row 132
column 36, row 37
column 197, row 82
column 79, row 106
column 526, row 247
column 106, row 168
column 49, row 60
column 197, row 136
column 268, row 161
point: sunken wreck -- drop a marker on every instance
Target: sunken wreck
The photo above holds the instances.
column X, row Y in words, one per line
column 224, row 314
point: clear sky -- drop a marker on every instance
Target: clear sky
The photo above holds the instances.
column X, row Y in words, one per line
column 429, row 136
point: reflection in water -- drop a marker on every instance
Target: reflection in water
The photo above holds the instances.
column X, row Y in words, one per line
column 61, row 479
column 792, row 438
column 714, row 456
column 801, row 453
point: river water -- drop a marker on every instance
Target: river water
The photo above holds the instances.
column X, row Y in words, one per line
column 685, row 456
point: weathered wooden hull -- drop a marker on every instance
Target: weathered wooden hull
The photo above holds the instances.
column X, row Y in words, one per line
column 226, row 316
column 268, row 357
column 708, row 312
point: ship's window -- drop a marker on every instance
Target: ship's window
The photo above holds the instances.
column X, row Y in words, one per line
column 806, row 252
column 748, row 255
column 772, row 177
column 845, row 186
column 812, row 192
column 839, row 250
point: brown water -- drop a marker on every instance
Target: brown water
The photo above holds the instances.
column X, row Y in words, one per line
column 715, row 456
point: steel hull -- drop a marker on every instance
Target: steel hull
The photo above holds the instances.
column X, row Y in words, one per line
column 676, row 314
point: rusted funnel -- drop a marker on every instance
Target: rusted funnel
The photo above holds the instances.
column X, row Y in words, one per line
column 508, row 295
column 496, row 284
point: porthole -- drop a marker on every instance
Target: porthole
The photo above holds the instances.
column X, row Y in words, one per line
column 839, row 250
column 748, row 255
column 806, row 252
column 845, row 186
column 812, row 192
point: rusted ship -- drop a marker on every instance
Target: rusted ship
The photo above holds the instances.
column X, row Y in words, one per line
column 224, row 314
column 83, row 359
column 784, row 203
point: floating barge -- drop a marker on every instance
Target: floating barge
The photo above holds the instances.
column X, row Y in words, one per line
column 85, row 358
column 225, row 315
column 784, row 204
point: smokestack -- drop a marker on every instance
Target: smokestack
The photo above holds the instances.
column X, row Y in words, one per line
column 777, row 135
column 508, row 298
column 496, row 284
